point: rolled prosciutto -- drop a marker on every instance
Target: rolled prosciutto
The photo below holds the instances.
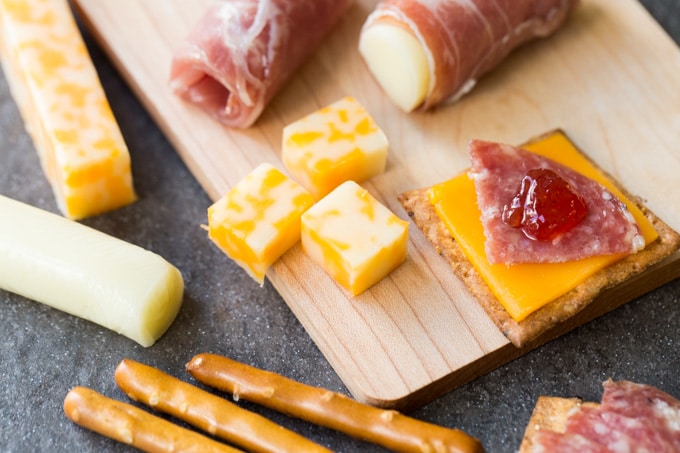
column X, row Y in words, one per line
column 241, row 52
column 427, row 52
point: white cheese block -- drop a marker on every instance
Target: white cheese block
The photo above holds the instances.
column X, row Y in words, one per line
column 77, row 269
column 398, row 62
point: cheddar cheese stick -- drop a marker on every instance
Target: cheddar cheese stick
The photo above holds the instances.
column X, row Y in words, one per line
column 133, row 426
column 208, row 412
column 387, row 428
column 64, row 107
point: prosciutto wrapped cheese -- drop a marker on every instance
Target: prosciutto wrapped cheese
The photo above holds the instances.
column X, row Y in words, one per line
column 426, row 52
column 242, row 52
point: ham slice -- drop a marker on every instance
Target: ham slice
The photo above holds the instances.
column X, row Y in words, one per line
column 241, row 52
column 464, row 39
column 498, row 169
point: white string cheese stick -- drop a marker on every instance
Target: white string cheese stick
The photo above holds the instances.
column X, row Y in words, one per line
column 64, row 107
column 84, row 272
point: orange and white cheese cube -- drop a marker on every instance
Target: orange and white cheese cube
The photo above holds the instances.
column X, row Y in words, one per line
column 64, row 107
column 258, row 220
column 353, row 237
column 337, row 143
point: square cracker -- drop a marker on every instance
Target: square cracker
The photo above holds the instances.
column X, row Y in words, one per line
column 419, row 208
column 550, row 413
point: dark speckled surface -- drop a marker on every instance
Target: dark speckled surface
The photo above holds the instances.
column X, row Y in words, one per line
column 45, row 352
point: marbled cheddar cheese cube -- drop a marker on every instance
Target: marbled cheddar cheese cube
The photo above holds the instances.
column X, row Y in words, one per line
column 335, row 144
column 355, row 238
column 64, row 107
column 258, row 220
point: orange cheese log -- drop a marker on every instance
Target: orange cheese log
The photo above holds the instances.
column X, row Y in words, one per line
column 133, row 426
column 208, row 412
column 64, row 107
column 387, row 428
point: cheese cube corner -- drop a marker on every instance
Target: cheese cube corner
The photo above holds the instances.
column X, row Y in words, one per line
column 64, row 107
column 353, row 237
column 337, row 143
column 258, row 220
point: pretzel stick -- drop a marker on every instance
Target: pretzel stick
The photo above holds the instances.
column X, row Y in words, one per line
column 133, row 426
column 208, row 412
column 387, row 428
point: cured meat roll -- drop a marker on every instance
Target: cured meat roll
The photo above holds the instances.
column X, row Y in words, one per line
column 241, row 52
column 426, row 52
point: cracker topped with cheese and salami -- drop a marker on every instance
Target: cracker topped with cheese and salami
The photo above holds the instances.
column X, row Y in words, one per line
column 537, row 233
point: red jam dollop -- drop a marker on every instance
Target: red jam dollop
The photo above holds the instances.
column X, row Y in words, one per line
column 545, row 206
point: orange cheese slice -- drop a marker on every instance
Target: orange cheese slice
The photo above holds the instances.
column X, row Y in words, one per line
column 524, row 288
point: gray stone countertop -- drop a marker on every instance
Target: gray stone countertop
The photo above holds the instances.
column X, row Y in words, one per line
column 45, row 352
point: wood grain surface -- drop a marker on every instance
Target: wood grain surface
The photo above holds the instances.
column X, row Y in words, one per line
column 608, row 78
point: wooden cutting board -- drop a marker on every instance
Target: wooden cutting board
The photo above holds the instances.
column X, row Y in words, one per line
column 609, row 78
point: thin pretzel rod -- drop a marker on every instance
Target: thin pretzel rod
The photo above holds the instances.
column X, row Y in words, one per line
column 387, row 428
column 133, row 426
column 208, row 412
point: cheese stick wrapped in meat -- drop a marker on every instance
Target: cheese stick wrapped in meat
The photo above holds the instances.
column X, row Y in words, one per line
column 242, row 52
column 426, row 52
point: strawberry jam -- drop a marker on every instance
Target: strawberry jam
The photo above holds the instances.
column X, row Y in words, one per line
column 545, row 206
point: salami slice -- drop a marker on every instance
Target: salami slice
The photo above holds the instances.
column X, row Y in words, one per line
column 547, row 441
column 464, row 39
column 613, row 429
column 497, row 170
column 660, row 410
column 242, row 52
column 631, row 418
